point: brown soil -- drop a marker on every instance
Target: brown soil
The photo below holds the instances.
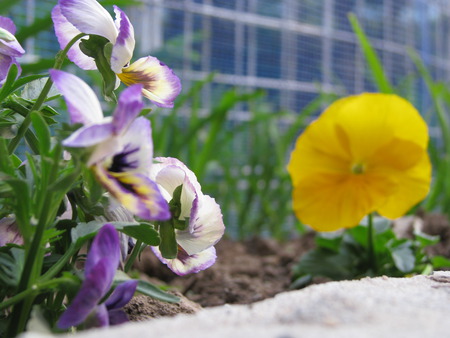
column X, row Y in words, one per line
column 246, row 272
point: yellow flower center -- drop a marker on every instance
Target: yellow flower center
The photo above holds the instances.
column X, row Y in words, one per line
column 358, row 168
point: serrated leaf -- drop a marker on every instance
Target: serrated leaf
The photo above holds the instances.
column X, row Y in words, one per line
column 33, row 89
column 143, row 232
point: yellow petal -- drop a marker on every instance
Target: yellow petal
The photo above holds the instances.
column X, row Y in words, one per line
column 161, row 85
column 329, row 202
column 371, row 120
column 318, row 150
column 413, row 186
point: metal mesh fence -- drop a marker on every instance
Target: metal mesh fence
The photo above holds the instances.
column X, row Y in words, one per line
column 293, row 48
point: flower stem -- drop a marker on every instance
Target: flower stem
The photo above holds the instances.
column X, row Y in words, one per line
column 34, row 289
column 371, row 245
column 134, row 254
column 42, row 96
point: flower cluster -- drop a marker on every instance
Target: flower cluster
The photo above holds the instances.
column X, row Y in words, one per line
column 95, row 176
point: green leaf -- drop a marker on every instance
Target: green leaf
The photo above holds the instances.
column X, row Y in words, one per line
column 96, row 47
column 168, row 246
column 87, row 230
column 42, row 132
column 372, row 59
column 33, row 89
column 151, row 290
column 11, row 266
column 146, row 288
column 330, row 241
column 8, row 84
column 327, row 263
column 6, row 165
column 26, row 79
column 143, row 232
column 425, row 239
column 403, row 257
column 440, row 262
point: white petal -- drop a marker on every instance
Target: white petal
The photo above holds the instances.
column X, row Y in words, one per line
column 185, row 264
column 81, row 100
column 124, row 46
column 65, row 32
column 89, row 17
column 169, row 178
column 205, row 226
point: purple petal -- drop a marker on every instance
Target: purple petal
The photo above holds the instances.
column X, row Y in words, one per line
column 117, row 317
column 124, row 46
column 11, row 47
column 99, row 317
column 121, row 295
column 206, row 226
column 89, row 17
column 65, row 32
column 185, row 264
column 9, row 232
column 89, row 135
column 137, row 152
column 105, row 245
column 129, row 106
column 136, row 192
column 82, row 103
column 8, row 24
column 161, row 85
column 5, row 64
column 93, row 289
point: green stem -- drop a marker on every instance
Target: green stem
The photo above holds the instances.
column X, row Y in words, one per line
column 31, row 271
column 56, row 268
column 33, row 290
column 371, row 245
column 43, row 95
column 134, row 254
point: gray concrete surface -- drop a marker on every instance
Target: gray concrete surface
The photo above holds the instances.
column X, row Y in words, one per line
column 372, row 307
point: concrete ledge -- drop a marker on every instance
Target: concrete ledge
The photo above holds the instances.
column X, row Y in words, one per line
column 372, row 307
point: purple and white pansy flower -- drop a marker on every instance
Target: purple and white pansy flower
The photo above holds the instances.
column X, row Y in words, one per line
column 72, row 17
column 101, row 264
column 10, row 48
column 9, row 232
column 196, row 250
column 121, row 147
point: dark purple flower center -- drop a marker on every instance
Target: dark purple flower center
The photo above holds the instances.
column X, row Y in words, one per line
column 122, row 163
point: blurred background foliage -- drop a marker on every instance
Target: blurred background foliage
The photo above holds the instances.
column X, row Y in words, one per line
column 241, row 161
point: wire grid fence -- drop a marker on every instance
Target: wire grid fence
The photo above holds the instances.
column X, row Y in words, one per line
column 294, row 49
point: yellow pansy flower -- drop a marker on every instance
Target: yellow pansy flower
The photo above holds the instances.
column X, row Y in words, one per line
column 365, row 153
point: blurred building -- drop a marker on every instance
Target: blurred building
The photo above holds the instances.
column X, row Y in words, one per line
column 294, row 49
